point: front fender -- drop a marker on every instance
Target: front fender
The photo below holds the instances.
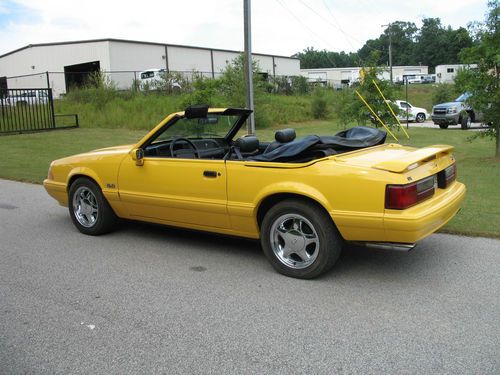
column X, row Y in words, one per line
column 83, row 171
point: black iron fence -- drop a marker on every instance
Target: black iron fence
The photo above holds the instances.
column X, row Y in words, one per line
column 30, row 109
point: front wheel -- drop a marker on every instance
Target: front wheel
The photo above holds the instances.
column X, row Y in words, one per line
column 88, row 208
column 420, row 117
column 466, row 122
column 299, row 239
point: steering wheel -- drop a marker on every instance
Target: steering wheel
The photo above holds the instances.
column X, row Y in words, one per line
column 191, row 144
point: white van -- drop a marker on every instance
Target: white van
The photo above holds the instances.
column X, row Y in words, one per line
column 153, row 79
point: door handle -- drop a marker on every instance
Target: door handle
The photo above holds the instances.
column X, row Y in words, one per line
column 210, row 174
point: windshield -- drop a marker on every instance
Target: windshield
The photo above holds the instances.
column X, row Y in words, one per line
column 463, row 97
column 215, row 125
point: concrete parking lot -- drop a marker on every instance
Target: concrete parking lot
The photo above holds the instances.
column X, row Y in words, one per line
column 149, row 299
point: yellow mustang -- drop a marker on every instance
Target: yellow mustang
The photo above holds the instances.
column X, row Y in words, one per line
column 302, row 197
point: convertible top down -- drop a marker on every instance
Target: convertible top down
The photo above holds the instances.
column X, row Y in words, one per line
column 302, row 197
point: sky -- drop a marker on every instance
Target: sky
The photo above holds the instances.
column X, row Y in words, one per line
column 279, row 27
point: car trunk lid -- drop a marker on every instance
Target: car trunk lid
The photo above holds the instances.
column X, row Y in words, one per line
column 393, row 157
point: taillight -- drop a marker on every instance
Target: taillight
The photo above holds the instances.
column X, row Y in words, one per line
column 447, row 176
column 399, row 197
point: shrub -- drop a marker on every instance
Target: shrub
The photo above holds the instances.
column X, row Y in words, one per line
column 444, row 93
column 318, row 104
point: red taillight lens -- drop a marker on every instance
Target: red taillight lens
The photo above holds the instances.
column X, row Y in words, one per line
column 399, row 197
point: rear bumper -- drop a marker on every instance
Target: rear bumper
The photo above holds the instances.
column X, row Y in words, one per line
column 57, row 190
column 416, row 223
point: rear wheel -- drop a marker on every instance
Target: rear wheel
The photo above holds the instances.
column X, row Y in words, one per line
column 88, row 208
column 443, row 126
column 299, row 239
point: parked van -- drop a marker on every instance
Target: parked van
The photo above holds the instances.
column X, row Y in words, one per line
column 154, row 79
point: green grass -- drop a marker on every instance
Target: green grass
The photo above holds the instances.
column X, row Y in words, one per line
column 27, row 157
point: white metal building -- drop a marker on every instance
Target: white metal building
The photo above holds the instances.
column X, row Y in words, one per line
column 68, row 61
column 447, row 73
column 339, row 76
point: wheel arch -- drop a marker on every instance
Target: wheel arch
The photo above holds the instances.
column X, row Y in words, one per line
column 85, row 173
column 270, row 200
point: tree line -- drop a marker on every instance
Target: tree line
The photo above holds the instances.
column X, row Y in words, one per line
column 432, row 44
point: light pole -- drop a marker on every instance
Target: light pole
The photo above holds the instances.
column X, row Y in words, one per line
column 248, row 63
column 390, row 48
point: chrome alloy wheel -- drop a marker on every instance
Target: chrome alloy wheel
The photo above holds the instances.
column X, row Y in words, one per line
column 85, row 207
column 294, row 241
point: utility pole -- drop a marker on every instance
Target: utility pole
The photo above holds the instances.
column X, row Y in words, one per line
column 389, row 26
column 248, row 63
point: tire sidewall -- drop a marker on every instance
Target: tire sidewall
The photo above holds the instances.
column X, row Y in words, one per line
column 105, row 215
column 330, row 243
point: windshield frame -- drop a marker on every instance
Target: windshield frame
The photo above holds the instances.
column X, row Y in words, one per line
column 243, row 114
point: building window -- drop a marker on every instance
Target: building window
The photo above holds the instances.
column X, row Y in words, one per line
column 450, row 70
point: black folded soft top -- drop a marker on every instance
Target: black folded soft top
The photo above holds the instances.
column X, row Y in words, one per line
column 313, row 146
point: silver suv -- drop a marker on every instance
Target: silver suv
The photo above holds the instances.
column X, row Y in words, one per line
column 455, row 113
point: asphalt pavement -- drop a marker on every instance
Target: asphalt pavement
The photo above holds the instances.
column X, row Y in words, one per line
column 150, row 299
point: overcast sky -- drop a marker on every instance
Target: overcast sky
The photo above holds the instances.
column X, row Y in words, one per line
column 281, row 27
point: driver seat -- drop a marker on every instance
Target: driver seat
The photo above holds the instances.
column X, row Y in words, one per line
column 244, row 147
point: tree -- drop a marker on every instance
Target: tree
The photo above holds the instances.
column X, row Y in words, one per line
column 483, row 83
column 311, row 59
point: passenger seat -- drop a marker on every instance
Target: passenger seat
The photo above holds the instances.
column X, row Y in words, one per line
column 281, row 137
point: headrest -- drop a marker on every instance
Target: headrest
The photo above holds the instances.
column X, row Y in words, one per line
column 285, row 135
column 247, row 144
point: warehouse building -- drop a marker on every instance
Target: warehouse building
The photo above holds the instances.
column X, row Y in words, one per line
column 70, row 63
column 337, row 77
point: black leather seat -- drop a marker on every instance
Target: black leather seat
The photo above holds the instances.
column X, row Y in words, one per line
column 245, row 146
column 281, row 137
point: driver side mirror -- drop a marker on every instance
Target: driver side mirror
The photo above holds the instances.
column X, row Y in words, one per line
column 138, row 156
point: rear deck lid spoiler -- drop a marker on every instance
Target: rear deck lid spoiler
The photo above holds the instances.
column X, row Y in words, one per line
column 414, row 158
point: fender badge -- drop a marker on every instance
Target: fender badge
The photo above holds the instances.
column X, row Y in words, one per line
column 110, row 186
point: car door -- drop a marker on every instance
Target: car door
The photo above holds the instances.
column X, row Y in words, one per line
column 175, row 190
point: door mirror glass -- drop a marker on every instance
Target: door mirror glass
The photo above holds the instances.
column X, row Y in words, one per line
column 138, row 156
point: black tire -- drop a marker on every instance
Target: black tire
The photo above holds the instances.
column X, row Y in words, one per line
column 85, row 195
column 465, row 122
column 281, row 225
column 420, row 117
column 443, row 126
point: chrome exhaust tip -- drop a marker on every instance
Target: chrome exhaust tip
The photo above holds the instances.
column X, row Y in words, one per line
column 387, row 246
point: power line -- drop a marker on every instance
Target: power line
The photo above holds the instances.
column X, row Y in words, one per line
column 338, row 23
column 335, row 26
column 303, row 24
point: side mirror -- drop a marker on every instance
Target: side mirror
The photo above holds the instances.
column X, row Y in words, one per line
column 138, row 156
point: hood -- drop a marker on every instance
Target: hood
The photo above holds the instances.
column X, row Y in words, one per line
column 449, row 104
column 96, row 154
column 124, row 149
column 419, row 109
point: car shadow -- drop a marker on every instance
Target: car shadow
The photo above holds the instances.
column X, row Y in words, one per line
column 355, row 261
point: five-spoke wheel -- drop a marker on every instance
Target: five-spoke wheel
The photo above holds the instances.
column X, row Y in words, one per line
column 85, row 206
column 89, row 209
column 300, row 239
column 294, row 241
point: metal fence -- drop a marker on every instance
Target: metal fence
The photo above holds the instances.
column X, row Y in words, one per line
column 31, row 109
column 153, row 79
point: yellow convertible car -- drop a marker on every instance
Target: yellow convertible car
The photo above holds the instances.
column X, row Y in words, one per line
column 301, row 197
